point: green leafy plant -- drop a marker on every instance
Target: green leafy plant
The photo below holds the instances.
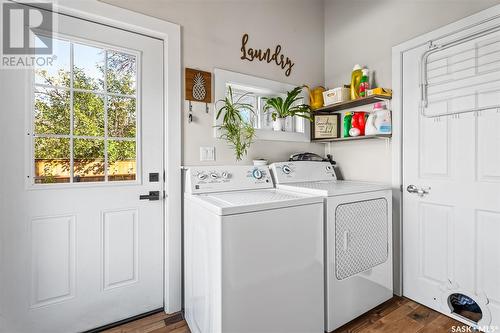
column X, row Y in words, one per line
column 238, row 132
column 288, row 107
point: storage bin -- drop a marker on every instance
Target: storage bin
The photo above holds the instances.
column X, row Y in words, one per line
column 336, row 95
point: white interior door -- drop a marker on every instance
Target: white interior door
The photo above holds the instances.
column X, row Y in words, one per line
column 450, row 235
column 81, row 138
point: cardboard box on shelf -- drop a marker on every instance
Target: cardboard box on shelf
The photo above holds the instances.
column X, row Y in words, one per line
column 379, row 91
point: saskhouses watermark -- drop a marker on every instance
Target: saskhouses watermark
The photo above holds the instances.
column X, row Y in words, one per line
column 26, row 35
column 467, row 329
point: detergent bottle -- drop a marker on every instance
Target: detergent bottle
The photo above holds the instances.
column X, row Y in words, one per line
column 382, row 120
column 347, row 124
column 364, row 85
column 356, row 76
column 358, row 121
column 370, row 128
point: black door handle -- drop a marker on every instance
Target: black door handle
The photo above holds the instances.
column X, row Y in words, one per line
column 152, row 196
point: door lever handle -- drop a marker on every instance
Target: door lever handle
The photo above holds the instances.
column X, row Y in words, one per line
column 152, row 196
column 419, row 191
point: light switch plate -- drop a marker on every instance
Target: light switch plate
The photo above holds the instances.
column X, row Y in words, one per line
column 207, row 153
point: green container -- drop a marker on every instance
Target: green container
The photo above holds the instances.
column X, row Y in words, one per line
column 347, row 124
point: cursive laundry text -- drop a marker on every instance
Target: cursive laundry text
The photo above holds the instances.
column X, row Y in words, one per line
column 251, row 54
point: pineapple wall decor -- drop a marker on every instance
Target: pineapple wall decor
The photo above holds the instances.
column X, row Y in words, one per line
column 199, row 91
column 198, row 88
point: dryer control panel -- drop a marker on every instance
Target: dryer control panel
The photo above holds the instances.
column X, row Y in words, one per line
column 207, row 179
column 302, row 171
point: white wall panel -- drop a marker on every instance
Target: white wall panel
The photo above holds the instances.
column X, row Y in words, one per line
column 434, row 148
column 120, row 247
column 53, row 259
column 488, row 254
column 488, row 146
column 434, row 223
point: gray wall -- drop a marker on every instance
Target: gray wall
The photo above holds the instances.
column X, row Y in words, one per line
column 364, row 31
column 211, row 36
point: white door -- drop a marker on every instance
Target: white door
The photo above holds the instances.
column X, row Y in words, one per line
column 80, row 140
column 450, row 235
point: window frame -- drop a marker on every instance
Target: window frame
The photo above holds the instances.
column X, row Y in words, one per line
column 261, row 87
column 30, row 120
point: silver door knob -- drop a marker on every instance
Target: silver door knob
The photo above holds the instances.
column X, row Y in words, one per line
column 419, row 191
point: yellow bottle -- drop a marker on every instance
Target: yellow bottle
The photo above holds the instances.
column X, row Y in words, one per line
column 356, row 76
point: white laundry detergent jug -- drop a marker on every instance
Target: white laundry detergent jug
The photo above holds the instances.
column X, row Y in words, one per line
column 382, row 121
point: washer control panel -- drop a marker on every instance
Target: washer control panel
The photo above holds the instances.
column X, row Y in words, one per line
column 227, row 178
column 302, row 171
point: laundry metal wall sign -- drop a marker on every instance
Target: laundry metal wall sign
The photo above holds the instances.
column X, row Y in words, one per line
column 251, row 54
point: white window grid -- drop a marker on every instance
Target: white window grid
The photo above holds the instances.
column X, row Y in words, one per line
column 105, row 94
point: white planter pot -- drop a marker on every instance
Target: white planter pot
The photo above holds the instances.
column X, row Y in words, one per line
column 279, row 124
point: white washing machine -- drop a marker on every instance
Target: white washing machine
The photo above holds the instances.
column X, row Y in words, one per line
column 253, row 254
column 358, row 237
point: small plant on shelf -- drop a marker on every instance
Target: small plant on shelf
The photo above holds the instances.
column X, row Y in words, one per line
column 281, row 108
column 237, row 131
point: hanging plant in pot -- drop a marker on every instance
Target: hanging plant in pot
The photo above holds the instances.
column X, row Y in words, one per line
column 281, row 108
column 237, row 131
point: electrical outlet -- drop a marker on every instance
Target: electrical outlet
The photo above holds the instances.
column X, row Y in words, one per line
column 207, row 153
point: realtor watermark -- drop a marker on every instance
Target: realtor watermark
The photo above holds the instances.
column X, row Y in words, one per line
column 467, row 328
column 27, row 35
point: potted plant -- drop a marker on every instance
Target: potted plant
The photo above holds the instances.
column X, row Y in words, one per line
column 281, row 109
column 238, row 132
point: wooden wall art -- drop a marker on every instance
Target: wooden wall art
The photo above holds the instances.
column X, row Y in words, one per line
column 198, row 86
column 251, row 54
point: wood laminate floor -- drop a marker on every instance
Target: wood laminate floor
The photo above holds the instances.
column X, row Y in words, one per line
column 157, row 323
column 398, row 315
column 401, row 315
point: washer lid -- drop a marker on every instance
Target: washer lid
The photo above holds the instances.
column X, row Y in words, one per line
column 236, row 202
column 334, row 187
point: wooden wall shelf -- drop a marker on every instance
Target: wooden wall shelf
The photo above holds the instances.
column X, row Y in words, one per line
column 355, row 138
column 340, row 107
column 351, row 104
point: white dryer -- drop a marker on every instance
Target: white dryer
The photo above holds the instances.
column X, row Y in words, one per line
column 358, row 237
column 253, row 254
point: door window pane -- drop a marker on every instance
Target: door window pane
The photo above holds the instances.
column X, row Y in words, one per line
column 52, row 111
column 85, row 115
column 121, row 160
column 57, row 73
column 52, row 160
column 121, row 74
column 88, row 160
column 88, row 114
column 121, row 117
column 88, row 67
